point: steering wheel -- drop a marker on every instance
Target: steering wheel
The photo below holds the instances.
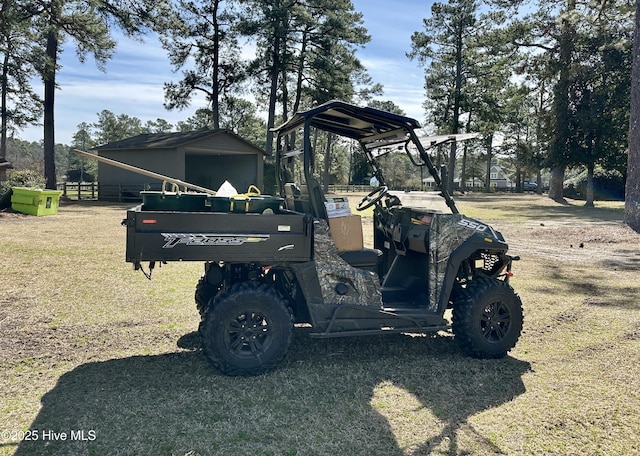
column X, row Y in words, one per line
column 372, row 198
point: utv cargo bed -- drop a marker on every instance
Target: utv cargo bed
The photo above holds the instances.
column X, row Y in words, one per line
column 216, row 236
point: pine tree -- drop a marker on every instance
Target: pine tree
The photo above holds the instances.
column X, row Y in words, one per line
column 88, row 23
column 204, row 32
column 19, row 104
column 632, row 195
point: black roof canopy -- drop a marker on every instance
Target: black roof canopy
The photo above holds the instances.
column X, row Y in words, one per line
column 361, row 123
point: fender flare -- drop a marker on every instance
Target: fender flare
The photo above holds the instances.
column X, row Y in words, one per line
column 464, row 251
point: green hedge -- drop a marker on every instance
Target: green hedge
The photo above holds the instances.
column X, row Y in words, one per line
column 607, row 186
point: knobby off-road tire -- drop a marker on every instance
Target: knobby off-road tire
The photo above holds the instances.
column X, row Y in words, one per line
column 204, row 293
column 487, row 318
column 247, row 329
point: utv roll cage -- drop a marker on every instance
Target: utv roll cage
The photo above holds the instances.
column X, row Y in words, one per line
column 373, row 129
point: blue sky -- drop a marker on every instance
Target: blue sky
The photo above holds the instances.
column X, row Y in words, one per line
column 134, row 77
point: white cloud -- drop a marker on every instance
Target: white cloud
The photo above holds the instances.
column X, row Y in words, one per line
column 132, row 84
column 403, row 83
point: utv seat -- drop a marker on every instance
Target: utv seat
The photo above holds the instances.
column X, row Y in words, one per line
column 305, row 198
column 294, row 198
column 368, row 259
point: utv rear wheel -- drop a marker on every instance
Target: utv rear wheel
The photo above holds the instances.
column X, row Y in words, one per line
column 204, row 293
column 246, row 330
column 487, row 318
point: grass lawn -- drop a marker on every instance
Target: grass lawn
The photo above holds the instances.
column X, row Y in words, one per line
column 95, row 359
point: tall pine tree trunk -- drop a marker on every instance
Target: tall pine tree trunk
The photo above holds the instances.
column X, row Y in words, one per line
column 539, row 182
column 326, row 175
column 555, row 183
column 49, row 98
column 560, row 145
column 4, row 115
column 590, row 192
column 275, row 72
column 632, row 195
column 215, row 86
column 487, row 181
column 457, row 100
column 451, row 167
column 463, row 170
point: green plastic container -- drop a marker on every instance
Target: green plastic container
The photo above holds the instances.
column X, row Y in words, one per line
column 259, row 204
column 219, row 203
column 35, row 201
column 172, row 201
column 203, row 202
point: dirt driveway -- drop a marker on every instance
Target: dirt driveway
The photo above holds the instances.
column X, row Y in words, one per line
column 610, row 244
column 536, row 226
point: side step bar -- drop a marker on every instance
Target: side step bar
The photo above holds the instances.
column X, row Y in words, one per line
column 390, row 322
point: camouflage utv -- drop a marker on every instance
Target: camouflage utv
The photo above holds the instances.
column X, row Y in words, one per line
column 271, row 269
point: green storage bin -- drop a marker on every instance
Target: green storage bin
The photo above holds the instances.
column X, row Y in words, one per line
column 258, row 204
column 35, row 201
column 174, row 201
column 219, row 203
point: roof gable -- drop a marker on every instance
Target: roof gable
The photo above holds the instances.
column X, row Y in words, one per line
column 169, row 140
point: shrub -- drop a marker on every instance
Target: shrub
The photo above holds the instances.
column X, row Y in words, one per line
column 608, row 185
column 27, row 178
column 22, row 178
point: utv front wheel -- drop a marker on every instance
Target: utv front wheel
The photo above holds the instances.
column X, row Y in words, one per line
column 246, row 330
column 487, row 318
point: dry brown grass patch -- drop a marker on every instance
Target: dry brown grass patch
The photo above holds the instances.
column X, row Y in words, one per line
column 89, row 344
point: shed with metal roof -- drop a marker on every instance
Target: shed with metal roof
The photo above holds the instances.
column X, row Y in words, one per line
column 205, row 158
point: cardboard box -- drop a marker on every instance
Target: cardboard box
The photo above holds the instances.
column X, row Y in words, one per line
column 347, row 232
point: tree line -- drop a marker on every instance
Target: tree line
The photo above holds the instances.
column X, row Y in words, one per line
column 552, row 77
column 305, row 54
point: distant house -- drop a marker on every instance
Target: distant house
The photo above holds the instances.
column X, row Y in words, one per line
column 499, row 178
column 429, row 183
column 204, row 158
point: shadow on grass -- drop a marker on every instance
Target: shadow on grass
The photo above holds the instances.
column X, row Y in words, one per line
column 569, row 212
column 624, row 260
column 322, row 400
column 88, row 203
column 596, row 291
column 546, row 209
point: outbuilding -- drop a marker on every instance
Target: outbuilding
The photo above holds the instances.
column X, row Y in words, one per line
column 205, row 158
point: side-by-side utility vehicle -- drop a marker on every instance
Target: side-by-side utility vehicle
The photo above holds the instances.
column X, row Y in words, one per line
column 272, row 262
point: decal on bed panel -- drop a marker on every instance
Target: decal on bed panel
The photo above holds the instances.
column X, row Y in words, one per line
column 201, row 239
